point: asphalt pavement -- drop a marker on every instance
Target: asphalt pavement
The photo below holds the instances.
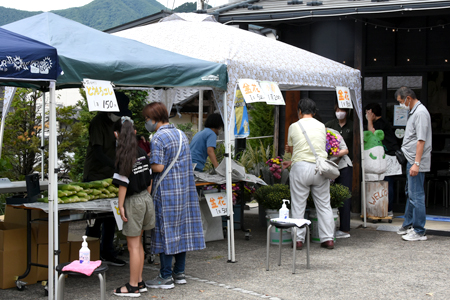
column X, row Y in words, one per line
column 371, row 264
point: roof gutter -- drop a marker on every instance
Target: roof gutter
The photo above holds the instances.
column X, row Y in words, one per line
column 232, row 6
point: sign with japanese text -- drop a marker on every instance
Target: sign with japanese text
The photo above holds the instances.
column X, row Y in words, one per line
column 217, row 203
column 116, row 213
column 343, row 96
column 252, row 91
column 273, row 93
column 100, row 95
column 400, row 115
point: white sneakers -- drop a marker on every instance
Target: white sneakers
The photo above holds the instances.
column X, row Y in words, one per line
column 404, row 230
column 414, row 236
column 342, row 235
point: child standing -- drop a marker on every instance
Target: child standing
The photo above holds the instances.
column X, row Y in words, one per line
column 133, row 177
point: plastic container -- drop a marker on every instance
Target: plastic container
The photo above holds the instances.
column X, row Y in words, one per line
column 315, row 224
column 284, row 211
column 286, row 237
column 84, row 253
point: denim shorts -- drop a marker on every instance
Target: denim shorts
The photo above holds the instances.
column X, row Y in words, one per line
column 140, row 213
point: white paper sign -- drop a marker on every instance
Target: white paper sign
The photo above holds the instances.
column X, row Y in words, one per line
column 217, row 203
column 100, row 95
column 400, row 116
column 251, row 90
column 116, row 212
column 343, row 96
column 273, row 93
column 9, row 95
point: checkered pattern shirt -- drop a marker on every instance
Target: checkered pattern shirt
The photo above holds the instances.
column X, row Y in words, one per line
column 178, row 220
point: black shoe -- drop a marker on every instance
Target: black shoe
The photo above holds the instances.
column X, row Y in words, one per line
column 114, row 261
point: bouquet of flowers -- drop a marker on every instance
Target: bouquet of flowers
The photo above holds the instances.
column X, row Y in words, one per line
column 332, row 146
column 275, row 166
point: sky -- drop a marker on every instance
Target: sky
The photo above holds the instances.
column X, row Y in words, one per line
column 47, row 5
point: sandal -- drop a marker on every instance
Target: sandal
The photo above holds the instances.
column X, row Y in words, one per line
column 142, row 287
column 132, row 291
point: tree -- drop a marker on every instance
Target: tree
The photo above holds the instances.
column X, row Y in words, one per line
column 261, row 123
column 23, row 131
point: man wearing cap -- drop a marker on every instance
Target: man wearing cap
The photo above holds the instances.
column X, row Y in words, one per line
column 99, row 164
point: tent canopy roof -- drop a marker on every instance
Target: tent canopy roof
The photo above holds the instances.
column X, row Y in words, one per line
column 246, row 54
column 85, row 52
column 24, row 59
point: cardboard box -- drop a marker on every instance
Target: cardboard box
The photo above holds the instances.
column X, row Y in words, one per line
column 42, row 258
column 12, row 237
column 13, row 255
column 75, row 245
column 18, row 216
column 40, row 228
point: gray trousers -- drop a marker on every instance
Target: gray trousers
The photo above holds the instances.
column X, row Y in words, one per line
column 303, row 180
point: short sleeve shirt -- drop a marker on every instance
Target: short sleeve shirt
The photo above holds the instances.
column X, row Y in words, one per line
column 346, row 131
column 140, row 177
column 418, row 128
column 316, row 133
column 199, row 146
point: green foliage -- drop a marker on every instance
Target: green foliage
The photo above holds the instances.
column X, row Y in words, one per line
column 254, row 158
column 261, row 123
column 137, row 103
column 271, row 196
column 187, row 128
column 338, row 194
column 99, row 14
column 21, row 154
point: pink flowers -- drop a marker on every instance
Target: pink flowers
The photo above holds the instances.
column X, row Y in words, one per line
column 275, row 166
column 332, row 146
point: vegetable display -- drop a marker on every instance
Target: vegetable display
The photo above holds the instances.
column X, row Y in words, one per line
column 84, row 191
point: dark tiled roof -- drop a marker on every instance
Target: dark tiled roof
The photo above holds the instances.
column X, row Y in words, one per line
column 273, row 10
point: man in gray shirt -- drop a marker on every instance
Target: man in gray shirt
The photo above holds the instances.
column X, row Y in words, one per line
column 417, row 149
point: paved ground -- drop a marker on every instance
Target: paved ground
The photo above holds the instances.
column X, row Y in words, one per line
column 372, row 264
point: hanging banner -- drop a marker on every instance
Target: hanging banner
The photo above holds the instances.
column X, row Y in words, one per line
column 9, row 95
column 241, row 128
column 217, row 203
column 273, row 93
column 116, row 213
column 251, row 90
column 100, row 95
column 343, row 96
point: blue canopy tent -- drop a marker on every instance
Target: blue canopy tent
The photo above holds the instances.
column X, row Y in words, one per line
column 88, row 53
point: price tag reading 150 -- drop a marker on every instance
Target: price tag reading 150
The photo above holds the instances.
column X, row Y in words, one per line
column 100, row 95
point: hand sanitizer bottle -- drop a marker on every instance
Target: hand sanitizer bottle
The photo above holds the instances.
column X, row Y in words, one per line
column 284, row 211
column 85, row 253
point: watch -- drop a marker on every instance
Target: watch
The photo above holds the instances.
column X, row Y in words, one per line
column 417, row 163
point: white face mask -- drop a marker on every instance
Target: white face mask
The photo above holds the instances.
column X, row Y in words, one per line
column 340, row 115
column 366, row 117
column 404, row 106
column 114, row 117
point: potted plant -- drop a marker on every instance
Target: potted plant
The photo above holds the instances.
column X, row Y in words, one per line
column 338, row 194
column 270, row 198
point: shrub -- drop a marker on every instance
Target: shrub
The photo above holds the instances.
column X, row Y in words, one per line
column 271, row 196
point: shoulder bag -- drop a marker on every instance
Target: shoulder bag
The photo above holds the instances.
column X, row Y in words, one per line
column 324, row 167
column 169, row 167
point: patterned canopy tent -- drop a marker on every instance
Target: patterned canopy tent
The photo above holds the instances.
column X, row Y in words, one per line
column 247, row 55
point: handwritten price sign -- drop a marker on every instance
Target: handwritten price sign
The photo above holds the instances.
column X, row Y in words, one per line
column 116, row 213
column 252, row 91
column 100, row 95
column 217, row 203
column 344, row 98
column 273, row 93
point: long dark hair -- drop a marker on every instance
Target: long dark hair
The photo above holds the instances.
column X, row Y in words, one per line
column 126, row 147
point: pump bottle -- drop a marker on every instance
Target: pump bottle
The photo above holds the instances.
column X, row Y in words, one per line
column 85, row 253
column 284, row 211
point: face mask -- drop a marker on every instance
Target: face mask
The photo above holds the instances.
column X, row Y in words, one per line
column 340, row 115
column 114, row 117
column 404, row 106
column 151, row 127
column 367, row 118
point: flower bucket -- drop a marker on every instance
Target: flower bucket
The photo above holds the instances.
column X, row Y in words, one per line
column 286, row 237
column 314, row 228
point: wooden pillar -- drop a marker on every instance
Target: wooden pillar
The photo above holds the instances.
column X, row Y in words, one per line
column 276, row 130
column 292, row 99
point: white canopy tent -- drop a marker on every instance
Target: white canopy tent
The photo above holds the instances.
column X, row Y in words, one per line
column 248, row 55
